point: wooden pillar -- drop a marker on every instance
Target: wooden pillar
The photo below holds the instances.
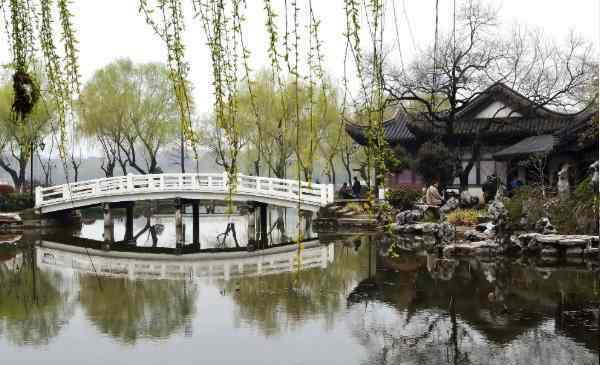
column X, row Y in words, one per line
column 196, row 224
column 109, row 228
column 179, row 233
column 129, row 222
column 263, row 225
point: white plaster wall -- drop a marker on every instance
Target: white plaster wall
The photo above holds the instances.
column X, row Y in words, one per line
column 497, row 109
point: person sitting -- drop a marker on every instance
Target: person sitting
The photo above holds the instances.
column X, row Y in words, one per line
column 489, row 187
column 432, row 195
column 345, row 192
column 356, row 188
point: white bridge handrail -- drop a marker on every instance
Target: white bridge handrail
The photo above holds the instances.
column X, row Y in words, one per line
column 284, row 189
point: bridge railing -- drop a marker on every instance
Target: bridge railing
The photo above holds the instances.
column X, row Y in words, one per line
column 315, row 194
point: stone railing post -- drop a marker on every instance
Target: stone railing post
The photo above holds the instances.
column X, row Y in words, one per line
column 129, row 182
column 66, row 192
column 38, row 196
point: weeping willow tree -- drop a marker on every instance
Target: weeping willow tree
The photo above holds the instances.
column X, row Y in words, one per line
column 36, row 304
column 294, row 52
column 370, row 102
column 31, row 29
column 129, row 310
column 269, row 150
column 275, row 302
column 17, row 138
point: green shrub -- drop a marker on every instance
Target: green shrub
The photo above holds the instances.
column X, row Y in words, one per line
column 15, row 201
column 403, row 198
column 465, row 217
column 526, row 201
column 435, row 161
column 577, row 214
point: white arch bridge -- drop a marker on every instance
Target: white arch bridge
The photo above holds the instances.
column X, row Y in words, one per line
column 254, row 192
column 131, row 188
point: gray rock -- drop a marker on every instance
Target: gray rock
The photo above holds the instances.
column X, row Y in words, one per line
column 474, row 236
column 471, row 249
column 445, row 232
column 497, row 212
column 549, row 251
column 450, row 205
column 591, row 251
column 544, row 226
column 548, row 238
column 429, row 227
column 572, row 242
column 409, row 216
column 574, row 251
column 442, row 268
column 467, row 200
column 487, row 227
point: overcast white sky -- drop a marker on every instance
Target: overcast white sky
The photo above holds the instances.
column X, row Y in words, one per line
column 110, row 29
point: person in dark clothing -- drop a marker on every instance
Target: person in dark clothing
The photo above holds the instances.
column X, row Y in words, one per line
column 356, row 188
column 345, row 192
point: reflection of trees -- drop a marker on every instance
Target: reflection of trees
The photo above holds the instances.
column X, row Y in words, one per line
column 132, row 309
column 472, row 315
column 33, row 309
column 278, row 301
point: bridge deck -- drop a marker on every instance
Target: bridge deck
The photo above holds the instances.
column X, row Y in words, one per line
column 272, row 191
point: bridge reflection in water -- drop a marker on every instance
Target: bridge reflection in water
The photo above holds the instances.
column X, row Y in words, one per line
column 349, row 302
column 225, row 265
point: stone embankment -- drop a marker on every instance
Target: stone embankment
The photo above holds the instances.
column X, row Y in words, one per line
column 535, row 244
column 345, row 217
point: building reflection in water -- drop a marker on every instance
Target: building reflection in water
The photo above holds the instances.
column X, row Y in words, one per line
column 425, row 309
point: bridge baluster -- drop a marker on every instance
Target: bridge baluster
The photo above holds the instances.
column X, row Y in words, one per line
column 129, row 182
column 66, row 192
column 280, row 192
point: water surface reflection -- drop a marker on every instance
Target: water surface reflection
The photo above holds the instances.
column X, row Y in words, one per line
column 346, row 303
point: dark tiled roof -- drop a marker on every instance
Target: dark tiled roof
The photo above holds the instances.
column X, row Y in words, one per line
column 532, row 120
column 395, row 131
column 495, row 126
column 535, row 144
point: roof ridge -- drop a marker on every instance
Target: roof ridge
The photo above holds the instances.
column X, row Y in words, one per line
column 498, row 85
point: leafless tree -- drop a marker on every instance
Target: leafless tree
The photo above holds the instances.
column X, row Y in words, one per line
column 448, row 76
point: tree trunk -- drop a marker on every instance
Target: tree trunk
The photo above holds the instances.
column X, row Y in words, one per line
column 13, row 174
column 332, row 169
column 349, row 172
column 466, row 171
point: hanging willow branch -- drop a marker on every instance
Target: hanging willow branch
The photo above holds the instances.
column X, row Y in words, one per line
column 371, row 104
column 170, row 28
column 61, row 73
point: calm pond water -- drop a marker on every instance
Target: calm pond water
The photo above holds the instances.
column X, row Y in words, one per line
column 337, row 302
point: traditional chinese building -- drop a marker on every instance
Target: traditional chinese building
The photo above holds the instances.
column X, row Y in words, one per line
column 509, row 127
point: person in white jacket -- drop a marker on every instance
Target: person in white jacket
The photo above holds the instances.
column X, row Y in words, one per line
column 432, row 195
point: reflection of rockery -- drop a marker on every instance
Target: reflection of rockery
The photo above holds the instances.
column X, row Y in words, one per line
column 224, row 265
